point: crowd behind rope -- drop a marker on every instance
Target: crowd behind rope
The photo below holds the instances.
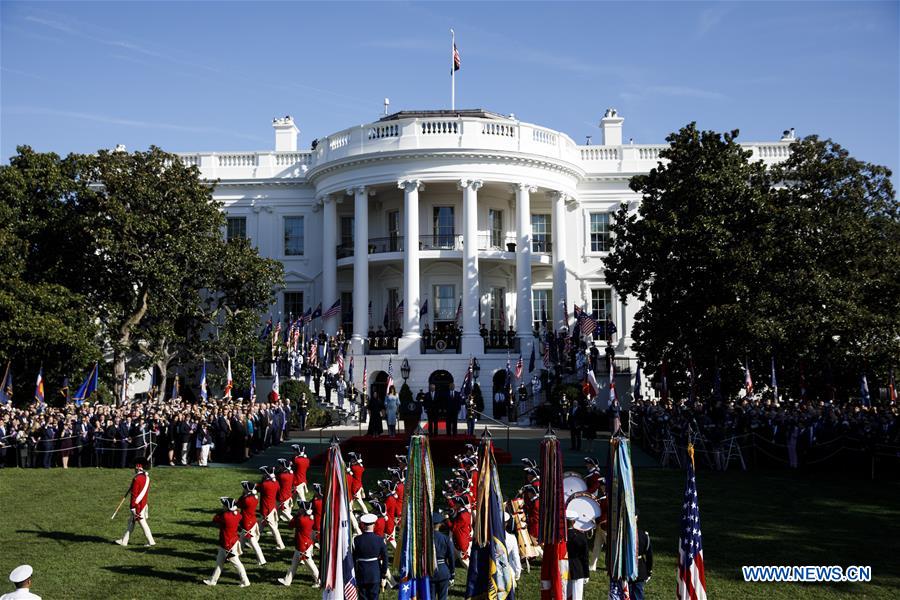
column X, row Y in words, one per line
column 797, row 425
column 170, row 431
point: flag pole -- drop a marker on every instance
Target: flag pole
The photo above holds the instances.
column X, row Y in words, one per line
column 452, row 70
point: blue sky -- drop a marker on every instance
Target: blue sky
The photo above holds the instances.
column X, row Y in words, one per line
column 210, row 76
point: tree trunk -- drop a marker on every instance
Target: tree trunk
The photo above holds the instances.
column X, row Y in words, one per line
column 120, row 354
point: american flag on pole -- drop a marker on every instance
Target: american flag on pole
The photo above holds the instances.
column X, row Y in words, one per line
column 338, row 580
column 371, row 318
column 691, row 583
column 458, row 312
column 456, row 62
column 748, row 381
column 520, row 366
column 390, row 377
column 399, row 312
column 586, row 322
column 340, row 360
column 565, row 312
column 365, row 374
column 334, row 310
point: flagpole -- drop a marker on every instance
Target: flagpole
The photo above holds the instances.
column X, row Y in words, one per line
column 452, row 70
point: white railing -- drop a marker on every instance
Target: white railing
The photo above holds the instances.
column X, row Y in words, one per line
column 338, row 141
column 773, row 151
column 501, row 129
column 440, row 127
column 649, row 152
column 600, row 153
column 379, row 132
column 543, row 136
column 237, row 160
column 289, row 159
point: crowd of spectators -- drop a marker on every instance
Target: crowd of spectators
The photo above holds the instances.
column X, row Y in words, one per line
column 172, row 432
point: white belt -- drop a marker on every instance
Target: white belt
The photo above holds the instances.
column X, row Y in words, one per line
column 366, row 559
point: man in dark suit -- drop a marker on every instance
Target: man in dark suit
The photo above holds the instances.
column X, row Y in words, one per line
column 432, row 408
column 369, row 558
column 645, row 564
column 445, row 554
column 578, row 548
column 454, row 401
column 123, row 434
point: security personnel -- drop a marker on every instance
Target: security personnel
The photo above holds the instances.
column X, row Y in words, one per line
column 577, row 547
column 21, row 578
column 445, row 554
column 645, row 563
column 370, row 559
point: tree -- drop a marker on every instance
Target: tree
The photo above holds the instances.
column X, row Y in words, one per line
column 732, row 267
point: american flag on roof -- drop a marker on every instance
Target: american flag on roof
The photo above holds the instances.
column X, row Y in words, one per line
column 691, row 584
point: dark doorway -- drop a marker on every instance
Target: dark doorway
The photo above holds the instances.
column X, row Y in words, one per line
column 378, row 388
column 499, row 383
column 441, row 381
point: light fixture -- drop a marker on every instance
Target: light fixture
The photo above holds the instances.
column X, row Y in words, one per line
column 404, row 369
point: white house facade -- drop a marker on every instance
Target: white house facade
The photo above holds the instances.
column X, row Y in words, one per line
column 482, row 220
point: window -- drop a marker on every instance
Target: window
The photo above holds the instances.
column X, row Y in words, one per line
column 347, row 312
column 293, row 304
column 392, row 316
column 347, row 232
column 599, row 232
column 394, row 231
column 445, row 303
column 540, row 233
column 495, row 224
column 443, row 227
column 497, row 309
column 601, row 304
column 237, row 228
column 540, row 307
column 293, row 236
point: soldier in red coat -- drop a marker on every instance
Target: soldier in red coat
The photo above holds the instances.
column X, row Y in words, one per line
column 302, row 523
column 317, row 503
column 139, row 490
column 301, row 465
column 532, row 508
column 399, row 482
column 285, row 476
column 229, row 521
column 355, row 471
column 247, row 503
column 268, row 497
column 461, row 528
column 393, row 510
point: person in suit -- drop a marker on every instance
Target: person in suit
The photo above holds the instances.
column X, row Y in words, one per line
column 445, row 554
column 431, row 407
column 578, row 549
column 369, row 558
column 123, row 433
column 645, row 564
column 454, row 402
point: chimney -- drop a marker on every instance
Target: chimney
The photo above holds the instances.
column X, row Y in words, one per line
column 285, row 134
column 611, row 126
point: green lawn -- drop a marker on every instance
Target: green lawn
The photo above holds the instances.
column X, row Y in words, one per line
column 59, row 522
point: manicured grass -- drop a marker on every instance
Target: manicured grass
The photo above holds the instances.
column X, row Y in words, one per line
column 59, row 522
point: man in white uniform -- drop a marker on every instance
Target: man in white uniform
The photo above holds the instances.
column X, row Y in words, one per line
column 21, row 577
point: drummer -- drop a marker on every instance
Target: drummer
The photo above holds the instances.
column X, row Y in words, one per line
column 593, row 479
column 531, row 507
column 601, row 528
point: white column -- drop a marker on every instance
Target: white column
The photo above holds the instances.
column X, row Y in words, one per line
column 524, row 329
column 471, row 292
column 329, row 261
column 410, row 342
column 360, row 268
column 558, row 200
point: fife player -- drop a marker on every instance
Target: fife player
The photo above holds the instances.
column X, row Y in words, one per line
column 249, row 526
column 302, row 523
column 268, row 496
column 301, row 466
column 228, row 520
column 140, row 488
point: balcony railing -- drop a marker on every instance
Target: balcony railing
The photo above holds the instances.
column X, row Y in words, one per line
column 495, row 241
column 376, row 246
column 441, row 241
column 541, row 246
column 444, row 241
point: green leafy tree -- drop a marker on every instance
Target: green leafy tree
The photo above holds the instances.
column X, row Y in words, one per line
column 736, row 262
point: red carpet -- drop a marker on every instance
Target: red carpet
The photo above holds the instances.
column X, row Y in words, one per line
column 380, row 451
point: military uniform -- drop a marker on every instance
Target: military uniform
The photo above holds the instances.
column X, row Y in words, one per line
column 370, row 562
column 445, row 553
column 228, row 520
column 645, row 566
column 140, row 489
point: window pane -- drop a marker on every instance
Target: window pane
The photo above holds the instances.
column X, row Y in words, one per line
column 495, row 224
column 347, row 232
column 393, row 317
column 540, row 306
column 540, row 233
column 445, row 302
column 498, row 309
column 394, row 230
column 599, row 232
column 443, row 227
column 601, row 304
column 347, row 312
column 237, row 228
column 293, row 304
column 293, row 236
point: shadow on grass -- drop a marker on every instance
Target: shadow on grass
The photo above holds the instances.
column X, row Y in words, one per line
column 154, row 573
column 67, row 536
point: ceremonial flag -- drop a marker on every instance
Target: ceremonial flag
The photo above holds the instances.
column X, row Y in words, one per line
column 175, row 387
column 64, row 391
column 229, row 382
column 892, row 388
column 350, row 370
column 276, row 333
column 6, row 386
column 545, row 354
column 519, row 367
column 371, row 318
column 267, row 330
column 318, row 312
column 399, row 311
column 340, row 360
column 748, row 381
column 385, row 321
column 39, row 387
column 275, row 384
column 565, row 312
column 585, row 322
column 390, row 375
column 423, row 312
column 458, row 311
column 552, row 343
column 592, row 380
column 864, row 390
column 508, row 382
column 467, row 381
column 365, row 380
column 307, row 316
column 456, row 62
column 415, row 559
column 622, row 542
column 691, row 584
column 552, row 520
column 610, row 328
column 252, row 379
column 636, row 392
column 203, row 390
column 338, row 580
column 88, row 387
column 490, row 574
column 544, row 318
column 774, row 383
column 531, row 360
column 334, row 310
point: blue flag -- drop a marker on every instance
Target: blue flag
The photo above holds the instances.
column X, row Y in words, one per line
column 88, row 387
column 6, row 386
column 531, row 360
column 423, row 312
column 864, row 390
column 636, row 393
column 203, row 390
column 252, row 378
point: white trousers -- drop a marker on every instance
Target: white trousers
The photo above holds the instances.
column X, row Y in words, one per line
column 301, row 491
column 204, row 454
column 144, row 525
column 251, row 538
column 306, row 559
column 272, row 524
column 575, row 589
column 184, row 453
column 285, row 510
column 599, row 540
column 359, row 499
column 234, row 558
